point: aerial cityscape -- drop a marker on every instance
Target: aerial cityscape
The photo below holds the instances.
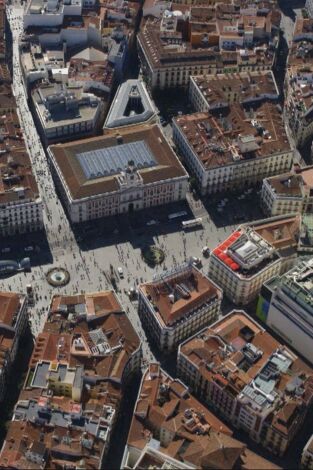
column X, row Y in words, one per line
column 156, row 234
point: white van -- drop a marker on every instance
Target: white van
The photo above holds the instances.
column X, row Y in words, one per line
column 120, row 272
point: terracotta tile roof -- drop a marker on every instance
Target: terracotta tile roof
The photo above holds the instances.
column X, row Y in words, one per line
column 198, row 437
column 288, row 229
column 65, row 156
column 9, row 306
column 217, row 139
column 201, row 290
column 231, row 374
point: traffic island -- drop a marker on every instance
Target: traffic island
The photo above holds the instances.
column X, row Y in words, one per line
column 152, row 255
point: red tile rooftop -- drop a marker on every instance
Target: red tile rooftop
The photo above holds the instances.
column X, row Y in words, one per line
column 236, row 329
column 165, row 407
column 78, row 317
column 233, row 136
column 9, row 306
column 65, row 155
column 174, row 303
column 241, row 86
column 280, row 233
column 15, row 166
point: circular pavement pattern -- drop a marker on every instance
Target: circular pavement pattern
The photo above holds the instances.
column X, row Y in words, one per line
column 153, row 255
column 58, row 277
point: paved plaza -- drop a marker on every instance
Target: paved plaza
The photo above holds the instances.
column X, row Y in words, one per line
column 101, row 244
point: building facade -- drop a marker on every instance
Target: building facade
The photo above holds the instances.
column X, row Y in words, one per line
column 70, row 401
column 21, row 207
column 237, row 367
column 288, row 193
column 253, row 254
column 225, row 152
column 285, row 306
column 22, row 215
column 211, row 92
column 50, row 13
column 176, row 304
column 307, row 454
column 298, row 83
column 241, row 264
column 13, row 323
column 130, row 170
column 131, row 105
column 204, row 39
column 66, row 112
column 171, row 428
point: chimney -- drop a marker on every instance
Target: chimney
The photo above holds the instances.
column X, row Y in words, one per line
column 119, row 139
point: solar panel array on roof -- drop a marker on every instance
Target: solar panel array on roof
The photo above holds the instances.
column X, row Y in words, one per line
column 112, row 160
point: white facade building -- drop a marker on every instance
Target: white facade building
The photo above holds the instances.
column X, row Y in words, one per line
column 286, row 306
column 37, row 63
column 288, row 193
column 226, row 152
column 176, row 304
column 242, row 263
column 131, row 105
column 65, row 112
column 129, row 171
column 253, row 254
column 50, row 13
column 20, row 215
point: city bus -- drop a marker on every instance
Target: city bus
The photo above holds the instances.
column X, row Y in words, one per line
column 176, row 215
column 192, row 223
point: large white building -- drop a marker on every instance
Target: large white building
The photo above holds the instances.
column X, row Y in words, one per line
column 176, row 304
column 50, row 12
column 234, row 147
column 117, row 173
column 77, row 31
column 131, row 105
column 179, row 44
column 252, row 255
column 288, row 193
column 66, row 112
column 21, row 211
column 286, row 305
